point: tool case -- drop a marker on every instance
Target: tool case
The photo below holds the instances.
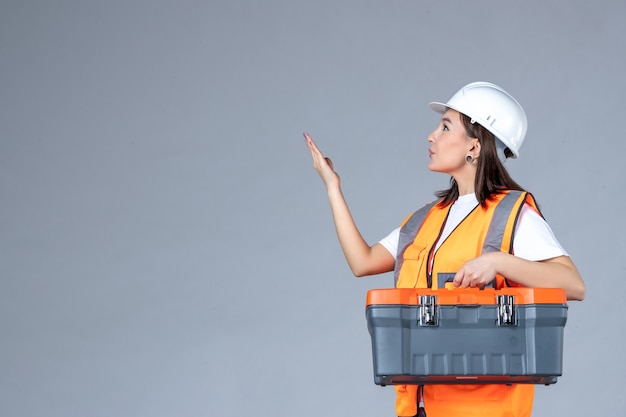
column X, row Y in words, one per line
column 466, row 336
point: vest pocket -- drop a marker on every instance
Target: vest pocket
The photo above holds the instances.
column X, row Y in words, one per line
column 413, row 264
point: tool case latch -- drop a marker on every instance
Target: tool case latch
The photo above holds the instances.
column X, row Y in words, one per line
column 428, row 311
column 506, row 310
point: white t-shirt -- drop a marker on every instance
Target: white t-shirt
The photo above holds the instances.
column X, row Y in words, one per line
column 534, row 239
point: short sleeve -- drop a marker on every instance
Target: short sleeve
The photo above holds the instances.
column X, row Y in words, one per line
column 390, row 242
column 534, row 239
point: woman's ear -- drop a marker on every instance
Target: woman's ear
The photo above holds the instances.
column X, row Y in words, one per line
column 475, row 147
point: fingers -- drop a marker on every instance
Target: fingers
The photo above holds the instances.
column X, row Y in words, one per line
column 312, row 146
column 321, row 164
column 318, row 157
column 309, row 142
column 477, row 272
column 465, row 279
column 459, row 280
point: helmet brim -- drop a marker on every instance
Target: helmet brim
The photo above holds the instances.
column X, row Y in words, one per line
column 438, row 107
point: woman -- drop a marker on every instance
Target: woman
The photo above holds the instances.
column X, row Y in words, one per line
column 481, row 126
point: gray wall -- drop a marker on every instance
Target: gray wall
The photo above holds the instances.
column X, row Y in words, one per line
column 166, row 248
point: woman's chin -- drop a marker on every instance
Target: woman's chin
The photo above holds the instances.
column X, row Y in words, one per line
column 433, row 167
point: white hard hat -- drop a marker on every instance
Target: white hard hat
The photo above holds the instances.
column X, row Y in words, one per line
column 494, row 109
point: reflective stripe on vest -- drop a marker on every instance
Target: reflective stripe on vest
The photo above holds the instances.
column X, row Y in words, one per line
column 501, row 214
column 408, row 232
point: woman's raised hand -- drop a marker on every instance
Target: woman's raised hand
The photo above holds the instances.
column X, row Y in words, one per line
column 323, row 165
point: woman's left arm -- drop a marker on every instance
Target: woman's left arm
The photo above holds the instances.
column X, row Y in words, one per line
column 559, row 272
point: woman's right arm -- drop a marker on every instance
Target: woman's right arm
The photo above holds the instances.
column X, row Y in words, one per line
column 362, row 258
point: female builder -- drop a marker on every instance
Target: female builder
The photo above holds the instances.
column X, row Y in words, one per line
column 481, row 125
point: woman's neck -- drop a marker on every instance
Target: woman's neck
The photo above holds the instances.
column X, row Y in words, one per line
column 465, row 179
column 465, row 186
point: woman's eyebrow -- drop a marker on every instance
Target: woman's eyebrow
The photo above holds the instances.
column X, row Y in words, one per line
column 446, row 120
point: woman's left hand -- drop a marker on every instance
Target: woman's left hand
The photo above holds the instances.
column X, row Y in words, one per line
column 558, row 272
column 477, row 272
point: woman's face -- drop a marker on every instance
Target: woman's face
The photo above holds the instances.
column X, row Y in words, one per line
column 449, row 144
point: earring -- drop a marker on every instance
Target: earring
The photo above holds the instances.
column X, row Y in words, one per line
column 469, row 158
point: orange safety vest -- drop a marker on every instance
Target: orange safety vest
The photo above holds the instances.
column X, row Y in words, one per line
column 484, row 230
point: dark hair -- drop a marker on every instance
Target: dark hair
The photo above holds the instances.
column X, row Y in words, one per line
column 491, row 176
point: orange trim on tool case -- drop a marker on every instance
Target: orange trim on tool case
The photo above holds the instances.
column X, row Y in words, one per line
column 468, row 296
